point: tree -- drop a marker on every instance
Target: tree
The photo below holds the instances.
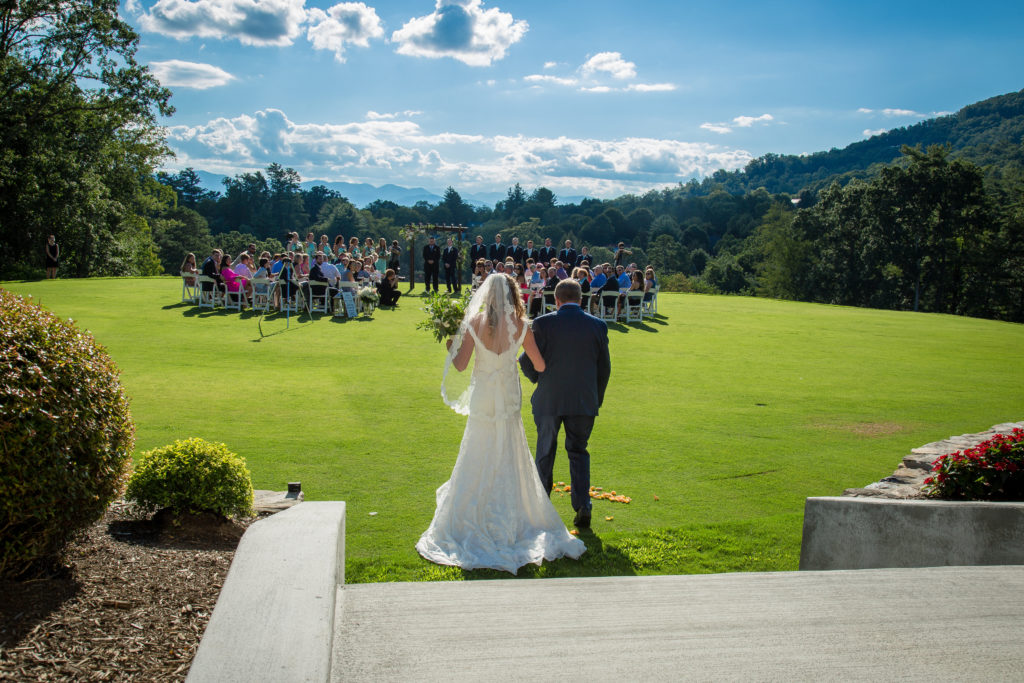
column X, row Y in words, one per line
column 188, row 187
column 515, row 201
column 287, row 209
column 78, row 133
column 458, row 211
column 786, row 258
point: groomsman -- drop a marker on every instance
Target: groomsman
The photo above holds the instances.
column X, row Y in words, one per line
column 567, row 255
column 529, row 253
column 431, row 263
column 477, row 251
column 497, row 251
column 450, row 258
column 515, row 251
column 584, row 258
column 547, row 252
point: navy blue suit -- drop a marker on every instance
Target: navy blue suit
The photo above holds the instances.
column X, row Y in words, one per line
column 497, row 252
column 569, row 392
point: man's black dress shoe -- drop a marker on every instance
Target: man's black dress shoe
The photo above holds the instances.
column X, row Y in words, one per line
column 582, row 519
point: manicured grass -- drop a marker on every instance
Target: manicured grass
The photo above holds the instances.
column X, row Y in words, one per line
column 722, row 415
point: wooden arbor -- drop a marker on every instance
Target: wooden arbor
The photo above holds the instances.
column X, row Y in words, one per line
column 410, row 232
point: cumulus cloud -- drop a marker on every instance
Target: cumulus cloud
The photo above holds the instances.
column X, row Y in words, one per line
column 252, row 22
column 376, row 116
column 343, row 24
column 544, row 78
column 651, row 87
column 383, row 149
column 610, row 63
column 737, row 122
column 462, row 30
column 868, row 133
column 901, row 112
column 550, row 65
column 175, row 72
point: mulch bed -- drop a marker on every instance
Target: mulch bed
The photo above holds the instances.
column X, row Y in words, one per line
column 131, row 603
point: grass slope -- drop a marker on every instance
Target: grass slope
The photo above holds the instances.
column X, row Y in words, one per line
column 722, row 415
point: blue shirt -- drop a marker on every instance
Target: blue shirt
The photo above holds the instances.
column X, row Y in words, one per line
column 275, row 268
column 598, row 281
column 624, row 281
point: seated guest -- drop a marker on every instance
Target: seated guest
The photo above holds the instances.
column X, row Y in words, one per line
column 330, row 271
column 478, row 273
column 242, row 265
column 388, row 289
column 275, row 265
column 351, row 274
column 262, row 273
column 597, row 282
column 636, row 285
column 211, row 269
column 551, row 280
column 189, row 266
column 580, row 275
column 649, row 282
column 560, row 270
column 488, row 268
column 287, row 281
column 375, row 275
column 622, row 277
column 233, row 282
column 499, row 266
column 302, row 267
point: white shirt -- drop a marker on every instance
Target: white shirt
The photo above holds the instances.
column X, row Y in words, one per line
column 330, row 272
column 243, row 270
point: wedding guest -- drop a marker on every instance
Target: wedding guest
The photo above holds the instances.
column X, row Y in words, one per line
column 567, row 255
column 276, row 265
column 368, row 247
column 547, row 253
column 515, row 251
column 620, row 254
column 211, row 269
column 394, row 254
column 431, row 263
column 189, row 266
column 477, row 251
column 302, row 268
column 584, row 258
column 310, row 244
column 262, row 273
column 375, row 275
column 339, row 245
column 636, row 284
column 497, row 251
column 499, row 266
column 353, row 247
column 251, row 248
column 580, row 275
column 597, row 283
column 529, row 253
column 329, row 271
column 325, row 246
column 450, row 259
column 233, row 282
column 620, row 275
column 478, row 273
column 287, row 281
column 52, row 257
column 263, row 254
column 293, row 242
column 535, row 276
column 382, row 255
column 388, row 289
column 242, row 265
column 351, row 274
column 551, row 279
column 520, row 276
column 560, row 270
column 488, row 268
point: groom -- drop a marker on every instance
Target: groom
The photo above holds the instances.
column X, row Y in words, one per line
column 569, row 392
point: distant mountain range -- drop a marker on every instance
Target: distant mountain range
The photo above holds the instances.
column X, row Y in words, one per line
column 361, row 194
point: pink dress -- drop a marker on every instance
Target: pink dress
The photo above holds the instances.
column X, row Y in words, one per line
column 232, row 280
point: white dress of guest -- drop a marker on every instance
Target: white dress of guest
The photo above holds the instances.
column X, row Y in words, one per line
column 493, row 512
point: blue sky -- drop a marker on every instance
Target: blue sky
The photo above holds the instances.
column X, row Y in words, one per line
column 583, row 97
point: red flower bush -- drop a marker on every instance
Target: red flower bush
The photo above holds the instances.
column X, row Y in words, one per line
column 992, row 470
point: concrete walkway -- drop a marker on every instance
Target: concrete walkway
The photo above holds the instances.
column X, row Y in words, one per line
column 932, row 624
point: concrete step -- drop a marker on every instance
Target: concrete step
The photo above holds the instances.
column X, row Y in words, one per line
column 944, row 623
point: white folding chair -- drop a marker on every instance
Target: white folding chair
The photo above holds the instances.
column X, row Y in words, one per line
column 293, row 303
column 209, row 297
column 650, row 305
column 236, row 300
column 319, row 297
column 635, row 306
column 606, row 306
column 189, row 288
column 261, row 290
column 549, row 302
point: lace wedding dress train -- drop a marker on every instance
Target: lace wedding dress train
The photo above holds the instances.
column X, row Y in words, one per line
column 493, row 512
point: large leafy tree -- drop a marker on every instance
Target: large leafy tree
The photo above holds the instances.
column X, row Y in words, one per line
column 78, row 135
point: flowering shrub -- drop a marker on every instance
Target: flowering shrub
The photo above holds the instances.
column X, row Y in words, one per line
column 444, row 313
column 992, row 470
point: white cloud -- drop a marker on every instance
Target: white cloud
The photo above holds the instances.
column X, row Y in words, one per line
column 651, row 87
column 133, row 6
column 596, row 88
column 544, row 78
column 252, row 22
column 392, row 150
column 748, row 121
column 462, row 30
column 345, row 23
column 737, row 122
column 865, row 110
column 868, row 133
column 901, row 112
column 719, row 128
column 611, row 63
column 550, row 65
column 376, row 116
column 175, row 72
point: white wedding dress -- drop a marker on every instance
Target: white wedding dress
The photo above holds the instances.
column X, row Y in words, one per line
column 494, row 512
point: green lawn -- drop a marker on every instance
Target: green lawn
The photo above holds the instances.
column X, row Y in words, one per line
column 722, row 415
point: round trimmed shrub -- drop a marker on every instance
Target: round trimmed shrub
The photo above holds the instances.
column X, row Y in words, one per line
column 192, row 476
column 66, row 434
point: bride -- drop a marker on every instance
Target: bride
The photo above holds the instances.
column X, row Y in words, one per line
column 493, row 512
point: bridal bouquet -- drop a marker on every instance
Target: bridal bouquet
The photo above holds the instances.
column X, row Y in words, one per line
column 444, row 313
